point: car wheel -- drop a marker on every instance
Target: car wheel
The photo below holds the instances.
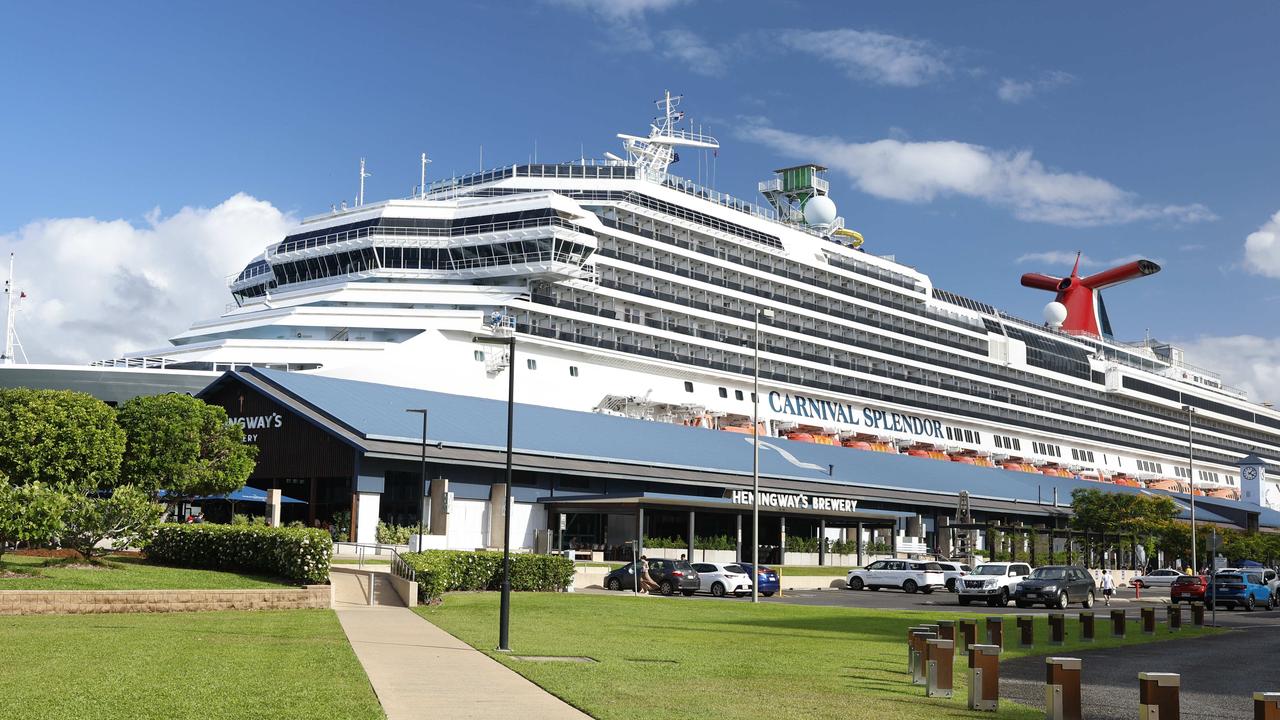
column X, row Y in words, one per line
column 927, row 590
column 951, row 585
column 1003, row 599
column 688, row 593
column 857, row 584
column 1062, row 599
column 614, row 584
column 910, row 586
column 667, row 588
column 717, row 589
column 1088, row 600
column 767, row 594
column 1248, row 604
column 964, row 600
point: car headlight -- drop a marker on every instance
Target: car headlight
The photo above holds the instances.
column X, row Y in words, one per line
column 988, row 583
column 1050, row 588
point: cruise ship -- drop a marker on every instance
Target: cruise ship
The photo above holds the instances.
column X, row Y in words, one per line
column 631, row 290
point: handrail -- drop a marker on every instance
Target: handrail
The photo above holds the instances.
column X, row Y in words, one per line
column 399, row 566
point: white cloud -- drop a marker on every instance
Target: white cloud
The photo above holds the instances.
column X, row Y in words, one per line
column 618, row 10
column 690, row 49
column 876, row 57
column 98, row 288
column 1015, row 91
column 923, row 171
column 1068, row 258
column 1262, row 249
column 1249, row 362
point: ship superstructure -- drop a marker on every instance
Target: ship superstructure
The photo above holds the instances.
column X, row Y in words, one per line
column 632, row 290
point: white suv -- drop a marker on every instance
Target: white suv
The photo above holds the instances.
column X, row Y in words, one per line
column 992, row 582
column 910, row 575
column 952, row 572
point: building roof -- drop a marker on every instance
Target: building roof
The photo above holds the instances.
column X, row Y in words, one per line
column 376, row 414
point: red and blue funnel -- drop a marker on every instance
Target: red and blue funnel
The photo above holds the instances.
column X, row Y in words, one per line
column 1082, row 296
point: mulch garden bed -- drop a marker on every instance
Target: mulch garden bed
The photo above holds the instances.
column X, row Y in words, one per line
column 48, row 553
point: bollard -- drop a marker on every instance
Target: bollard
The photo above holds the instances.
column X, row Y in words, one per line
column 1197, row 614
column 940, row 659
column 984, row 677
column 1057, row 628
column 1158, row 696
column 1173, row 616
column 947, row 630
column 1149, row 620
column 1062, row 688
column 1026, row 631
column 968, row 633
column 912, row 659
column 1086, row 626
column 995, row 631
column 918, row 640
column 1117, row 623
column 1266, row 706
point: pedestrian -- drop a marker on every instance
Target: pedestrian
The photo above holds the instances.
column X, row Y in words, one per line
column 1108, row 587
column 682, row 556
column 646, row 580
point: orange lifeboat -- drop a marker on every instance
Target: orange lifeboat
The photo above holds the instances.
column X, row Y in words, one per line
column 858, row 444
column 963, row 460
column 800, row 437
column 918, row 453
column 824, row 440
column 745, row 429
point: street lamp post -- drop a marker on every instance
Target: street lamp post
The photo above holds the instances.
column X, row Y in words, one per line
column 1191, row 478
column 755, row 461
column 422, row 482
column 504, row 619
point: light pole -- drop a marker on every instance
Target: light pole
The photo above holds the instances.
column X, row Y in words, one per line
column 422, row 481
column 504, row 613
column 755, row 461
column 1191, row 468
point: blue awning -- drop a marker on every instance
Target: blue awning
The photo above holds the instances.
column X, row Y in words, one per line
column 244, row 494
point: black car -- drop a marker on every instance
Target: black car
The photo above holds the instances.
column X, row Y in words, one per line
column 1056, row 586
column 671, row 576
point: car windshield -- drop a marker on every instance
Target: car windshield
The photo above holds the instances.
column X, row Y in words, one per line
column 735, row 569
column 990, row 570
column 1049, row 573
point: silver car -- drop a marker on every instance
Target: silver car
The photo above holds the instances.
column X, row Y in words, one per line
column 1158, row 578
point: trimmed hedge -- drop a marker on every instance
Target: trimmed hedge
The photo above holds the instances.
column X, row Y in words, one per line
column 441, row 571
column 298, row 554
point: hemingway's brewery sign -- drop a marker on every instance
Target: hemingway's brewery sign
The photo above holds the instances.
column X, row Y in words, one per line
column 796, row 501
column 847, row 414
column 254, row 423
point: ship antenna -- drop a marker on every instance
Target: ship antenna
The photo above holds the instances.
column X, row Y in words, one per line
column 652, row 155
column 10, row 327
column 422, row 188
column 363, row 175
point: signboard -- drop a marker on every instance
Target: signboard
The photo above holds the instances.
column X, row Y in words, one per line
column 848, row 414
column 796, row 501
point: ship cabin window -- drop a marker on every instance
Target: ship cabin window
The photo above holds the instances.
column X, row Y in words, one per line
column 753, row 397
column 724, row 393
column 531, row 364
column 968, row 436
column 479, row 355
column 688, row 386
column 573, row 371
column 737, row 394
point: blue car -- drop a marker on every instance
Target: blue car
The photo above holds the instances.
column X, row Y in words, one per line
column 767, row 581
column 1243, row 588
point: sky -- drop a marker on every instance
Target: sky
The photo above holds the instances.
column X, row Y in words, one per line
column 151, row 149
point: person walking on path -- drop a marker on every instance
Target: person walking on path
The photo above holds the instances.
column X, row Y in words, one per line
column 1108, row 587
column 646, row 580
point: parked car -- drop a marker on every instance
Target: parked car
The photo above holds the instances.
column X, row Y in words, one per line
column 910, row 575
column 1157, row 578
column 1056, row 586
column 767, row 579
column 993, row 583
column 952, row 572
column 1188, row 588
column 720, row 579
column 672, row 576
column 1244, row 589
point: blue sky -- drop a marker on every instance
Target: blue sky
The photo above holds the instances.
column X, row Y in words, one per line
column 976, row 142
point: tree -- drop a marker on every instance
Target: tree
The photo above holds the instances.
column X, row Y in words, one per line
column 1097, row 511
column 126, row 517
column 30, row 513
column 183, row 446
column 60, row 438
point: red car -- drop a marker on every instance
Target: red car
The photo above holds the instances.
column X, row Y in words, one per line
column 1189, row 588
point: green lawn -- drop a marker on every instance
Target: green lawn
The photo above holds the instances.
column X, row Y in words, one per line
column 275, row 665
column 796, row 661
column 124, row 573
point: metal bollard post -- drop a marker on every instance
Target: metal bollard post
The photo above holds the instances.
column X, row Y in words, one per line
column 1158, row 696
column 1266, row 706
column 940, row 659
column 372, row 580
column 1173, row 616
column 1057, row 628
column 984, row 677
column 1118, row 623
column 1062, row 688
column 995, row 631
column 1148, row 620
column 919, row 639
column 968, row 633
column 1026, row 631
column 1197, row 614
column 1086, row 626
column 912, row 659
column 947, row 630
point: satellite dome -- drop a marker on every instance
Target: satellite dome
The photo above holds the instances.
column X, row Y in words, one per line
column 1055, row 313
column 819, row 210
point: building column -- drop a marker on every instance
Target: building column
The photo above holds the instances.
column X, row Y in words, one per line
column 822, row 541
column 782, row 540
column 858, row 544
column 365, row 507
column 738, row 544
column 639, row 531
column 438, row 520
column 691, row 536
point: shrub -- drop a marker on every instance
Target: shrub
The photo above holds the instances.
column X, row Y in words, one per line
column 441, row 571
column 664, row 543
column 239, row 520
column 298, row 554
column 394, row 534
column 718, row 542
column 797, row 544
column 126, row 518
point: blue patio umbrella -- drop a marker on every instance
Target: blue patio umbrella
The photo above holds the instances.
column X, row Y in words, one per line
column 249, row 494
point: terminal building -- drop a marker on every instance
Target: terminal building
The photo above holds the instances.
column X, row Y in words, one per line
column 608, row 484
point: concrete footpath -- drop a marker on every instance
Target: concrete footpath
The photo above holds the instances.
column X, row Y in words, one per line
column 421, row 671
